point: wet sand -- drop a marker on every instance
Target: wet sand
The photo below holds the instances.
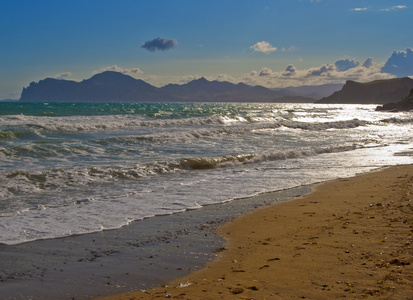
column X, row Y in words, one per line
column 145, row 254
column 350, row 238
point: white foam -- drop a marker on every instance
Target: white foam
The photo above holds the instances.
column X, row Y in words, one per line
column 79, row 174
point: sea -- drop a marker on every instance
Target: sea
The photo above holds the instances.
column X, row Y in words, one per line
column 76, row 168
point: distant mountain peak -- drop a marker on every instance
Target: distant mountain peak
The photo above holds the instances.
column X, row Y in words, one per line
column 111, row 86
column 110, row 75
column 201, row 80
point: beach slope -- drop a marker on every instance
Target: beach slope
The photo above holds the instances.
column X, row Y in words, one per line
column 350, row 238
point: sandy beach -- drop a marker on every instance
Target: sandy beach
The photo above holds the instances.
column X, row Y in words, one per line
column 145, row 254
column 350, row 238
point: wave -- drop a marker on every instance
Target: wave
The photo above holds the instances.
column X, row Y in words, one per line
column 20, row 182
column 15, row 134
column 46, row 150
column 113, row 122
column 318, row 126
column 74, row 124
column 92, row 148
column 231, row 160
column 187, row 135
column 397, row 120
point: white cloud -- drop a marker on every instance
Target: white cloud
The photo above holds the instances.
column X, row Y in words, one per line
column 393, row 8
column 293, row 48
column 160, row 81
column 188, row 78
column 265, row 72
column 396, row 7
column 263, row 47
column 290, row 49
column 323, row 70
column 327, row 73
column 115, row 68
column 290, row 76
column 400, row 63
column 338, row 72
column 224, row 77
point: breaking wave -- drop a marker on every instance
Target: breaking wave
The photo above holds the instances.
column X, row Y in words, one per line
column 32, row 124
column 20, row 182
column 395, row 120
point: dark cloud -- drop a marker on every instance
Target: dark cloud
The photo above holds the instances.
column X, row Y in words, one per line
column 61, row 76
column 289, row 71
column 400, row 63
column 346, row 64
column 265, row 72
column 368, row 63
column 161, row 44
column 323, row 70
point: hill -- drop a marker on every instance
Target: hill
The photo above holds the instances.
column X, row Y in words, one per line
column 202, row 90
column 374, row 92
column 405, row 105
column 116, row 87
column 104, row 87
column 312, row 91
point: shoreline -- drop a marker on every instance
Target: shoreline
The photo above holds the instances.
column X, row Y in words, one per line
column 142, row 255
column 350, row 237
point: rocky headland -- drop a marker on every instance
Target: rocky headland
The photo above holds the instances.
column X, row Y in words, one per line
column 405, row 105
column 374, row 92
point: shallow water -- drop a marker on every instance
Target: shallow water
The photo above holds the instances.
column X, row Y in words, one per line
column 74, row 168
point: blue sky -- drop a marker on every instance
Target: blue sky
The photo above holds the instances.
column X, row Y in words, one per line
column 272, row 43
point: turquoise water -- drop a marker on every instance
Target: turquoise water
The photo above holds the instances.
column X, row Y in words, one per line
column 70, row 168
column 155, row 110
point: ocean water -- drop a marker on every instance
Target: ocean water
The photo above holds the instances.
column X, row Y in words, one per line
column 76, row 168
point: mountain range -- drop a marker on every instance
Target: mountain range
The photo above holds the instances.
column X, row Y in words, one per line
column 112, row 86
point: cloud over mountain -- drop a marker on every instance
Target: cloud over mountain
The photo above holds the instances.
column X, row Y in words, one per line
column 345, row 64
column 400, row 63
column 368, row 62
column 322, row 70
column 339, row 72
column 115, row 68
column 265, row 72
column 289, row 71
column 159, row 44
column 64, row 75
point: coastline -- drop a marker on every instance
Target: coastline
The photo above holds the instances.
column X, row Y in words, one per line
column 350, row 237
column 144, row 254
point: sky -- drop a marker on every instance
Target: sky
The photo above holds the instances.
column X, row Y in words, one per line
column 274, row 43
